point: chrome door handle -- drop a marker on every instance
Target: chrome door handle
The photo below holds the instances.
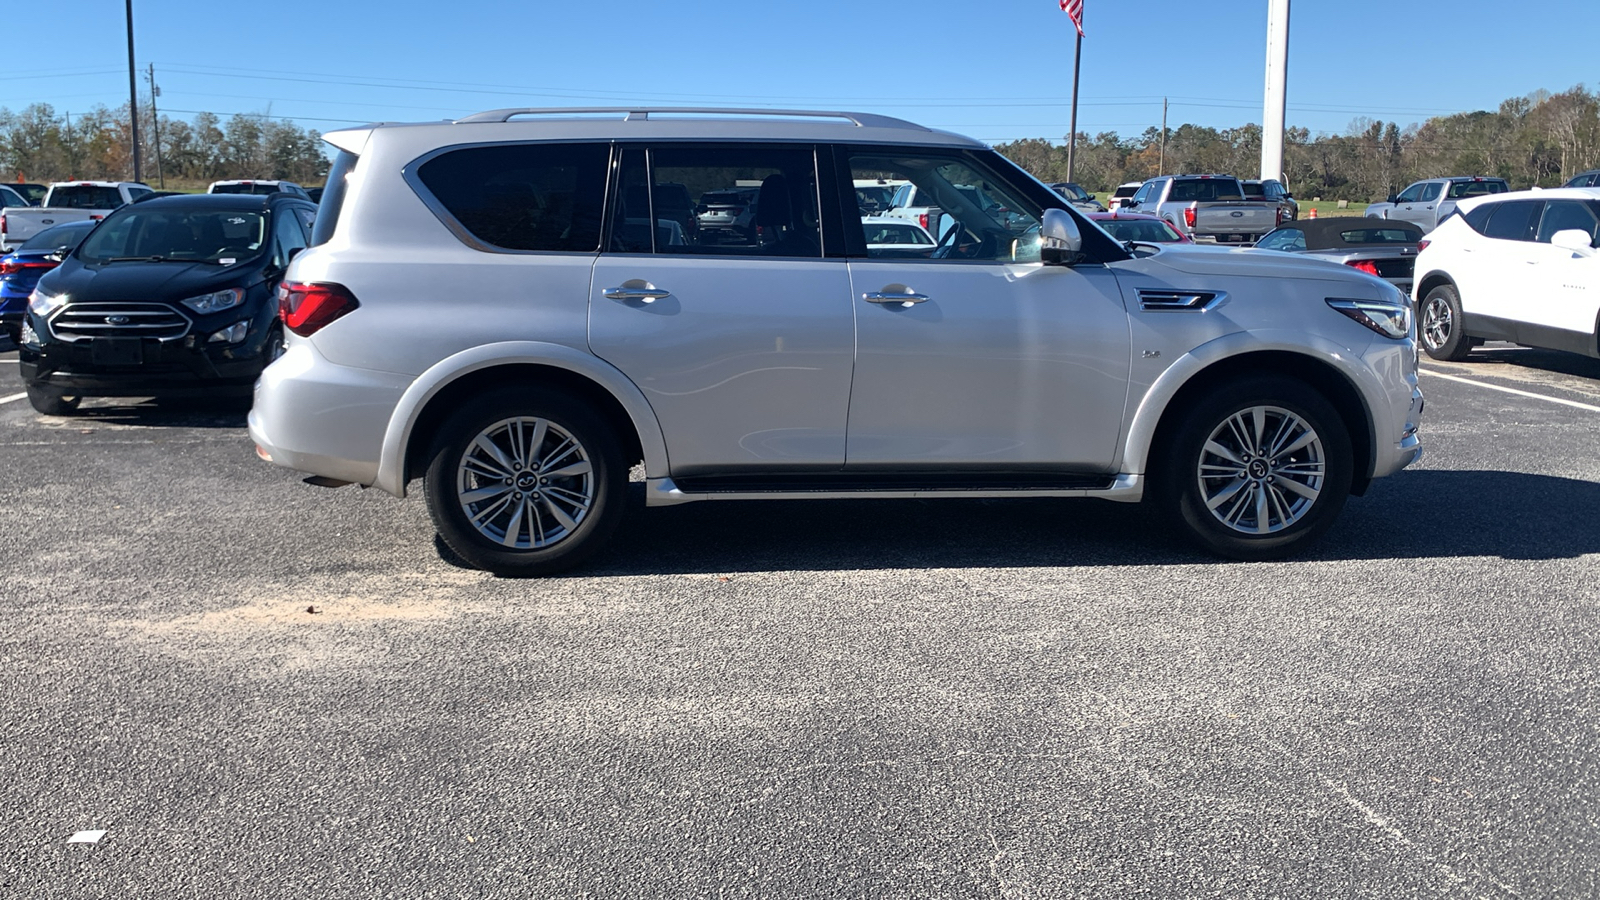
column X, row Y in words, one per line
column 648, row 295
column 905, row 299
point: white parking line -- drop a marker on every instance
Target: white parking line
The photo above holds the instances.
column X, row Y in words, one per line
column 1496, row 387
column 12, row 398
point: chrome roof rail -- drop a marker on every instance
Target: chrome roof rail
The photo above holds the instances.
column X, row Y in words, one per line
column 637, row 114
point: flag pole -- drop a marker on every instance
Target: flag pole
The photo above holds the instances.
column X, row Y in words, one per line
column 1072, row 138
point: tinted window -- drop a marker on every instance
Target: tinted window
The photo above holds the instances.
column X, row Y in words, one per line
column 333, row 196
column 1513, row 221
column 1385, row 235
column 1478, row 219
column 1283, row 239
column 1204, row 189
column 522, row 196
column 8, row 197
column 1143, row 194
column 1410, row 194
column 287, row 237
column 678, row 181
column 1126, row 191
column 1431, row 192
column 1461, row 189
column 85, row 196
column 1255, row 191
column 1561, row 215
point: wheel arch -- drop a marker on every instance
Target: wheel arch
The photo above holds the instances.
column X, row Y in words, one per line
column 1432, row 280
column 1157, row 416
column 439, row 391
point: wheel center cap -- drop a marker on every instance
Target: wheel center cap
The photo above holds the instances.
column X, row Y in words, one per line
column 1258, row 468
column 527, row 481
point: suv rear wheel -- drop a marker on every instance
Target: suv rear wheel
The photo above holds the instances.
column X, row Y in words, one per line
column 525, row 482
column 1257, row 468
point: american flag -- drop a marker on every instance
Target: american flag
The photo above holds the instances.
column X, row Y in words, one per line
column 1074, row 9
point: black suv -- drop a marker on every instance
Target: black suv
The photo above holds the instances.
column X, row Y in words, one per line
column 169, row 296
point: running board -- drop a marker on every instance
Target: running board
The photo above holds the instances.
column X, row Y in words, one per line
column 666, row 492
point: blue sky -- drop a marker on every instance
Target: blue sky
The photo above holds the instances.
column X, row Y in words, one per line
column 994, row 69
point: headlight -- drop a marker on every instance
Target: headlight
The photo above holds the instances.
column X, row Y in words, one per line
column 206, row 304
column 42, row 304
column 1392, row 320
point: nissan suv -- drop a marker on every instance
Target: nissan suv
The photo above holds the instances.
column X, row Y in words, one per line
column 504, row 308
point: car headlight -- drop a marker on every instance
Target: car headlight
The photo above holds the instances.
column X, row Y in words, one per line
column 1392, row 320
column 42, row 304
column 206, row 304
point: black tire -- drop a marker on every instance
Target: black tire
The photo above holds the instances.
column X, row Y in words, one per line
column 52, row 403
column 273, row 348
column 1440, row 326
column 534, row 508
column 1191, row 470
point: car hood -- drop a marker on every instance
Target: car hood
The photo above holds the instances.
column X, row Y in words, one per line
column 156, row 281
column 1192, row 260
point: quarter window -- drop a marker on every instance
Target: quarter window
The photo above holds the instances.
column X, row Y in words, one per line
column 523, row 196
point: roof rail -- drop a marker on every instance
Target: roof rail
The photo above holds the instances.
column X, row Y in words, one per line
column 637, row 114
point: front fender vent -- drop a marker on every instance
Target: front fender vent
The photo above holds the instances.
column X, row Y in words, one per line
column 1180, row 301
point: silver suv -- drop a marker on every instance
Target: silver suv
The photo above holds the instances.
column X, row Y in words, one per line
column 502, row 307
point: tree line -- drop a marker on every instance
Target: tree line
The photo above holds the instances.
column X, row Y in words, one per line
column 1541, row 139
column 40, row 144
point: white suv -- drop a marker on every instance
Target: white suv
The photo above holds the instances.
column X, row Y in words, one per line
column 1519, row 267
column 513, row 308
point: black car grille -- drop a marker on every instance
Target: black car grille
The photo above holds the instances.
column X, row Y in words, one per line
column 80, row 321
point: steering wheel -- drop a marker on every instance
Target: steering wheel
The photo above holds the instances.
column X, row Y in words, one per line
column 947, row 242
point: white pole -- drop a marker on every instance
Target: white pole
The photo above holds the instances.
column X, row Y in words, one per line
column 1276, row 97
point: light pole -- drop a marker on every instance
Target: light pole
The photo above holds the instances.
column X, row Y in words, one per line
column 133, row 96
column 1276, row 95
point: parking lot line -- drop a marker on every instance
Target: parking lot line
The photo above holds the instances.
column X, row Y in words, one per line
column 1496, row 387
column 12, row 397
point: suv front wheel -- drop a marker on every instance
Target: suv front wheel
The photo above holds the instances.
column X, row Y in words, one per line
column 525, row 482
column 1257, row 468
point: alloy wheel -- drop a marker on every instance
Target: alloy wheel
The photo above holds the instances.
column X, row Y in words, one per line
column 1261, row 470
column 525, row 483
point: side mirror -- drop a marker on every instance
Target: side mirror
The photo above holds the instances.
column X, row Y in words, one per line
column 1575, row 239
column 1060, row 242
column 1091, row 196
column 1129, row 203
column 1393, row 198
column 1288, row 196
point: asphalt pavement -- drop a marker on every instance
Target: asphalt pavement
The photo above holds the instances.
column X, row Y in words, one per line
column 258, row 688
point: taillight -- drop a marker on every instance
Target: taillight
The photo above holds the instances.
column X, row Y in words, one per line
column 308, row 308
column 1364, row 265
column 923, row 221
column 1188, row 216
column 12, row 268
column 1423, row 245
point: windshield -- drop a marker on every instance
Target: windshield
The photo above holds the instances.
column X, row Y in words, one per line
column 222, row 236
column 1071, row 191
column 60, row 238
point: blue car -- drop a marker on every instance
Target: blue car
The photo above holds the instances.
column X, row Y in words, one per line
column 20, row 269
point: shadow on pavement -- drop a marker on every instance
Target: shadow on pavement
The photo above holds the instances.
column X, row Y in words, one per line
column 1486, row 360
column 164, row 413
column 1414, row 515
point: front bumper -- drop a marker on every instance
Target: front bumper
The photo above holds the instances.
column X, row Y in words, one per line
column 190, row 365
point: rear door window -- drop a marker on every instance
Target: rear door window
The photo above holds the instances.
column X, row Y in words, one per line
column 1431, row 191
column 672, row 185
column 539, row 197
column 1514, row 220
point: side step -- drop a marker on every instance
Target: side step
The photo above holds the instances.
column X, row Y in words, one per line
column 668, row 492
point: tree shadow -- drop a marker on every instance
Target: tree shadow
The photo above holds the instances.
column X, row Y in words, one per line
column 1423, row 514
column 1490, row 357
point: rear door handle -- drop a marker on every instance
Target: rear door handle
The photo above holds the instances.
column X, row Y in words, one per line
column 648, row 295
column 905, row 299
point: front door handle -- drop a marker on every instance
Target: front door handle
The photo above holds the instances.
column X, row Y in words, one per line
column 906, row 298
column 648, row 295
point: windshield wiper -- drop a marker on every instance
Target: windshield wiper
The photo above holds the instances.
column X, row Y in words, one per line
column 160, row 258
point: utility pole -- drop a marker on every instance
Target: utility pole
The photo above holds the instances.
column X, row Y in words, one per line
column 1161, row 164
column 1275, row 98
column 155, row 122
column 133, row 96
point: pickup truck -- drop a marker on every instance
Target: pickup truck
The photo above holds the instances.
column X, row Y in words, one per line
column 67, row 201
column 1429, row 202
column 1208, row 208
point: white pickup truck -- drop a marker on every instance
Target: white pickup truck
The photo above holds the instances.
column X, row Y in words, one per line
column 67, row 201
